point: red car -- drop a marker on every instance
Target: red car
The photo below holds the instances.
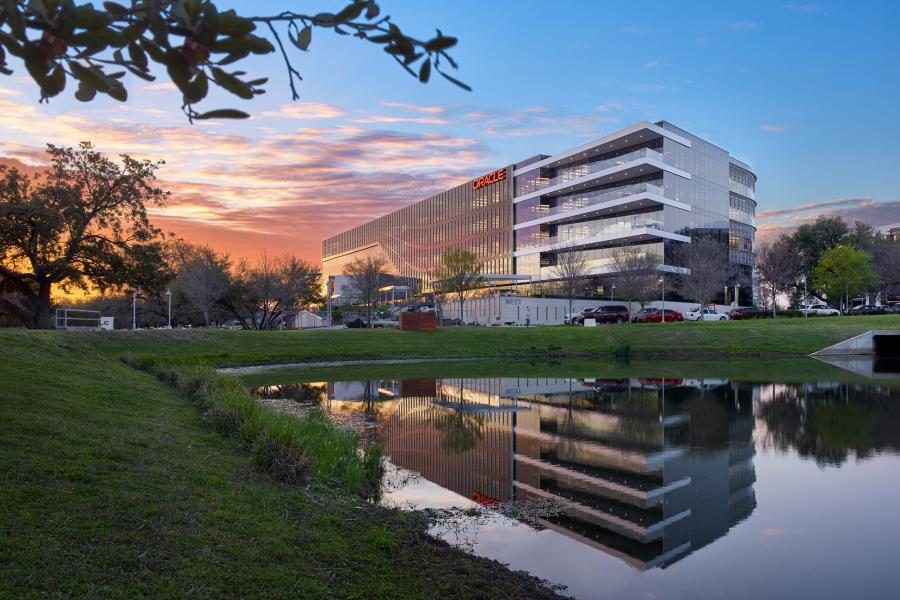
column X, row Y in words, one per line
column 655, row 315
column 605, row 314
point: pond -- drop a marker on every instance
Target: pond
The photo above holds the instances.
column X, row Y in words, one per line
column 678, row 484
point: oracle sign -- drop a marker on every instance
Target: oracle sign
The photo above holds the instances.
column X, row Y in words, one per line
column 491, row 178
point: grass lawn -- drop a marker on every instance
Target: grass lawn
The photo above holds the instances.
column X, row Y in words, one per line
column 111, row 485
column 776, row 337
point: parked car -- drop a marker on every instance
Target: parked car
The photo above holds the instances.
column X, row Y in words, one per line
column 572, row 318
column 356, row 323
column 867, row 309
column 655, row 315
column 705, row 314
column 613, row 313
column 749, row 312
column 820, row 310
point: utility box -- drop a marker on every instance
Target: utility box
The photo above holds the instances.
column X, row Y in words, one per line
column 418, row 321
column 106, row 323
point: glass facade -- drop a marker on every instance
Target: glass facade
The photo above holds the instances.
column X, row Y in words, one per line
column 668, row 164
column 535, row 208
column 620, row 224
column 414, row 239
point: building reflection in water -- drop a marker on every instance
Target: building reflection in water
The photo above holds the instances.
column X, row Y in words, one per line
column 648, row 470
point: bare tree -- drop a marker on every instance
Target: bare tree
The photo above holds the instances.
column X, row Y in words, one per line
column 570, row 271
column 439, row 297
column 299, row 284
column 203, row 278
column 260, row 294
column 459, row 275
column 366, row 276
column 636, row 276
column 710, row 269
column 886, row 259
column 780, row 265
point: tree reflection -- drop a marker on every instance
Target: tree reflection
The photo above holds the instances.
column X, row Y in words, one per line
column 829, row 423
column 299, row 392
column 462, row 429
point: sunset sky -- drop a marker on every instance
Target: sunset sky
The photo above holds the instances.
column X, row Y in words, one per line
column 806, row 93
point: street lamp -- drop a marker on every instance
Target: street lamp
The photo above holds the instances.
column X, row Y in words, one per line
column 134, row 310
column 662, row 313
column 612, row 292
column 169, row 294
column 737, row 295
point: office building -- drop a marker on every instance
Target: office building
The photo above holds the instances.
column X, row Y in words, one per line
column 645, row 189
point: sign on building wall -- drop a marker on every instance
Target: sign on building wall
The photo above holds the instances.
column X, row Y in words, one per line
column 489, row 179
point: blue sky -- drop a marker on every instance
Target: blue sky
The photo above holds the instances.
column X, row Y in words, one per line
column 805, row 92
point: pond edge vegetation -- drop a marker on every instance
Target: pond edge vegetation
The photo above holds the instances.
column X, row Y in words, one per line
column 294, row 451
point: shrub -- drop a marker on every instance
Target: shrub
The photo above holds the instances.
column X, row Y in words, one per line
column 290, row 449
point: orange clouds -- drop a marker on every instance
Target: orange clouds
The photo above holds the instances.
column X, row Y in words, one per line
column 268, row 188
column 773, row 222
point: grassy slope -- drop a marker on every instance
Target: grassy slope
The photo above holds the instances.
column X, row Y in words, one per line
column 682, row 340
column 110, row 485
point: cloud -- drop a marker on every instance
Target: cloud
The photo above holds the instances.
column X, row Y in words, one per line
column 393, row 119
column 773, row 222
column 610, row 107
column 306, row 111
column 772, row 128
column 652, row 64
column 431, row 110
column 269, row 187
column 538, row 120
column 813, row 206
column 743, row 25
column 160, row 86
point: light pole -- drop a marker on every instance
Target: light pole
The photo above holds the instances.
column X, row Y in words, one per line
column 737, row 295
column 169, row 294
column 662, row 280
column 805, row 298
column 612, row 293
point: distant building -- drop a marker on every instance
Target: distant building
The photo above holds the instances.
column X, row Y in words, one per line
column 892, row 231
column 647, row 189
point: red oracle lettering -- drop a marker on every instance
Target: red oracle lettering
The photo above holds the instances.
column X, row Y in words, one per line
column 489, row 179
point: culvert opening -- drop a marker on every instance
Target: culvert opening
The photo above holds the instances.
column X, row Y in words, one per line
column 886, row 346
column 887, row 353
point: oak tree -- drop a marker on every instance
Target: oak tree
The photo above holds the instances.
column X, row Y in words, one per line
column 82, row 223
column 198, row 46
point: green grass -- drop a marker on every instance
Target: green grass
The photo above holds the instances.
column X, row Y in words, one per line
column 775, row 337
column 289, row 449
column 116, row 482
column 113, row 484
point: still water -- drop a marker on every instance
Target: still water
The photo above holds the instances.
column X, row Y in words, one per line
column 665, row 487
